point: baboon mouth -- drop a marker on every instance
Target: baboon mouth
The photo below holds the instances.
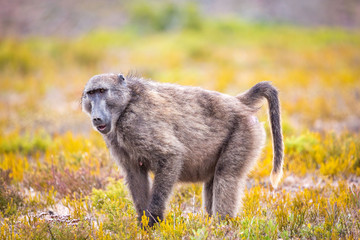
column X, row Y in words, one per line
column 101, row 128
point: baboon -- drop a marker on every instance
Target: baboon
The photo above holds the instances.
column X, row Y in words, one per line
column 182, row 134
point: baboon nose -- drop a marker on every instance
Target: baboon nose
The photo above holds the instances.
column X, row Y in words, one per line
column 97, row 121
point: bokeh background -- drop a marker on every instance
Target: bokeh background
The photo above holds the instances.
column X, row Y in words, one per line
column 309, row 49
column 52, row 161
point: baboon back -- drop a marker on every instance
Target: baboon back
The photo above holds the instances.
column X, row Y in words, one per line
column 186, row 121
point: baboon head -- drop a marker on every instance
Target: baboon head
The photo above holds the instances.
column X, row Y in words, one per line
column 104, row 98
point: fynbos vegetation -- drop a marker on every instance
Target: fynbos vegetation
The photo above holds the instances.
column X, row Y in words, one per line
column 58, row 182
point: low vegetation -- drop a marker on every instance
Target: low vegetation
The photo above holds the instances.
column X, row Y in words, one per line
column 69, row 190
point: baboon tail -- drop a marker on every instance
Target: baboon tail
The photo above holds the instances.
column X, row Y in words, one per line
column 252, row 98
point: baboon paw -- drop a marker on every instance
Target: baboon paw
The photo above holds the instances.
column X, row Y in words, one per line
column 149, row 219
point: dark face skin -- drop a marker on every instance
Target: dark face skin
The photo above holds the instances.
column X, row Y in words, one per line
column 100, row 114
column 98, row 101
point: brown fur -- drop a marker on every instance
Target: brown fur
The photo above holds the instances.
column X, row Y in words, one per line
column 181, row 134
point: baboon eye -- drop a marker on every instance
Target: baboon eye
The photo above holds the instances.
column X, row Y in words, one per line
column 100, row 90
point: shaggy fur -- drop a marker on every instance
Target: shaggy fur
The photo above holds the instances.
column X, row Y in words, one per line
column 182, row 134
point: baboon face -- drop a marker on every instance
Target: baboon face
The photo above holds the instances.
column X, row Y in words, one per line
column 104, row 98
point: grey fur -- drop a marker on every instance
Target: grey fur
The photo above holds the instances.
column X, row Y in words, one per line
column 181, row 134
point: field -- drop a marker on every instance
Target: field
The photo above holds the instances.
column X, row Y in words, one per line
column 58, row 182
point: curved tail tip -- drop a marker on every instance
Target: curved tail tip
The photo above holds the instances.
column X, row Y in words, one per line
column 275, row 177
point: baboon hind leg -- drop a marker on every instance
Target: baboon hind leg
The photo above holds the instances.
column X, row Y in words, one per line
column 226, row 197
column 208, row 196
column 230, row 175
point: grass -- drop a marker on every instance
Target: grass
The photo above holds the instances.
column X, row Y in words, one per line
column 56, row 178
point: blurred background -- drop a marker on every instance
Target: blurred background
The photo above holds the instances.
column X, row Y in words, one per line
column 308, row 49
column 69, row 18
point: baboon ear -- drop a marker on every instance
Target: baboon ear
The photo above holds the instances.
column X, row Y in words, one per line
column 121, row 78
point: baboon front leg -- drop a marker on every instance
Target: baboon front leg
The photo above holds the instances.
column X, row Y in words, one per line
column 165, row 177
column 138, row 183
column 208, row 196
